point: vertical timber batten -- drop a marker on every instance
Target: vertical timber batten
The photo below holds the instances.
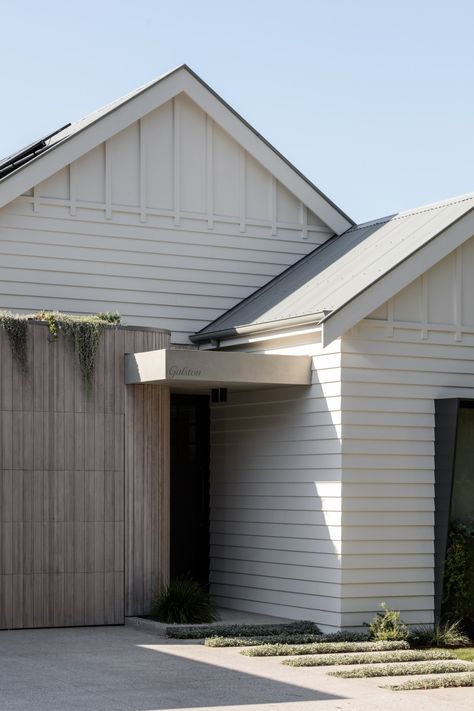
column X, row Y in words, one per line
column 77, row 547
column 146, row 494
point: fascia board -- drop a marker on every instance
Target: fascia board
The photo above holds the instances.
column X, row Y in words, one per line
column 151, row 98
column 340, row 321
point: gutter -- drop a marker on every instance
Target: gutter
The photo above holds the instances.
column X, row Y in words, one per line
column 215, row 337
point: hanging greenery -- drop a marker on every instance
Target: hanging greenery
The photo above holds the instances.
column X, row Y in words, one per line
column 15, row 326
column 84, row 333
column 458, row 594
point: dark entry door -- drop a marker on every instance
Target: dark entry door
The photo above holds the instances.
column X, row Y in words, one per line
column 189, row 500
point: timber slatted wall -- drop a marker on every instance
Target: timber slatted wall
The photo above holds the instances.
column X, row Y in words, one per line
column 70, row 496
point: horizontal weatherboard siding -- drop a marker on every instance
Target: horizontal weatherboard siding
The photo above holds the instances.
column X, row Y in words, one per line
column 392, row 372
column 170, row 222
column 276, row 499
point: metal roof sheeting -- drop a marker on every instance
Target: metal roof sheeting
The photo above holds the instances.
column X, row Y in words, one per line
column 339, row 270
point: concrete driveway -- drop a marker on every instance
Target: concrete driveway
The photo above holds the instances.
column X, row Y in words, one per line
column 120, row 668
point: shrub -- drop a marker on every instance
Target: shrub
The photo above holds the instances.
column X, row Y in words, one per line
column 402, row 655
column 448, row 634
column 441, row 667
column 442, row 682
column 459, row 575
column 298, row 627
column 184, row 602
column 284, row 650
column 387, row 625
column 285, row 638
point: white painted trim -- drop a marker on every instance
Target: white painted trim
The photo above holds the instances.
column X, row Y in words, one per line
column 210, row 172
column 242, row 188
column 72, row 190
column 176, row 161
column 458, row 296
column 142, row 177
column 340, row 321
column 108, row 181
column 152, row 97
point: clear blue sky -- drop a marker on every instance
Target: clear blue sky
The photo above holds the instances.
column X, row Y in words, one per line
column 372, row 99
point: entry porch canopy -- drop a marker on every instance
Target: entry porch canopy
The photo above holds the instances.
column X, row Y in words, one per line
column 200, row 369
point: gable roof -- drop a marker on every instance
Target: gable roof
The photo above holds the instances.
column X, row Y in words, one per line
column 39, row 161
column 349, row 276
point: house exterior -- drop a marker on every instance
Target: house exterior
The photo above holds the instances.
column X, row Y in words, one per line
column 268, row 420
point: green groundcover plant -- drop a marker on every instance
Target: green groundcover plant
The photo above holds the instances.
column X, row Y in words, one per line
column 466, row 653
column 298, row 627
column 409, row 669
column 441, row 682
column 285, row 650
column 285, row 638
column 402, row 655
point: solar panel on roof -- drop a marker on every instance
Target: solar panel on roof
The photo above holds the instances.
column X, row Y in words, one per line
column 25, row 155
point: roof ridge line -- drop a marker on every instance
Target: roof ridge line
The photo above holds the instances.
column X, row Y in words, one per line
column 410, row 213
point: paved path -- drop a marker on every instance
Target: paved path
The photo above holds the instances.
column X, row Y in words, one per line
column 122, row 669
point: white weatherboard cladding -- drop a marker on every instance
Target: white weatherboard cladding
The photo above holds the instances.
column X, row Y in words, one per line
column 170, row 222
column 414, row 349
column 439, row 302
column 276, row 497
column 377, row 396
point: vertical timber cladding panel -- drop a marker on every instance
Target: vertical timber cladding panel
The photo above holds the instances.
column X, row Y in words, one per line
column 275, row 496
column 146, row 483
column 62, row 479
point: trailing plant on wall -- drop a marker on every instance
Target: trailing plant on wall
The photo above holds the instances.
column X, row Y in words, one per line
column 83, row 332
column 458, row 593
column 16, row 328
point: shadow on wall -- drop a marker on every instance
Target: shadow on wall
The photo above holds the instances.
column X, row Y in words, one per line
column 275, row 501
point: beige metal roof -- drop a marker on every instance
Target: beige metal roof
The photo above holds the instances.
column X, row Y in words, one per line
column 338, row 271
